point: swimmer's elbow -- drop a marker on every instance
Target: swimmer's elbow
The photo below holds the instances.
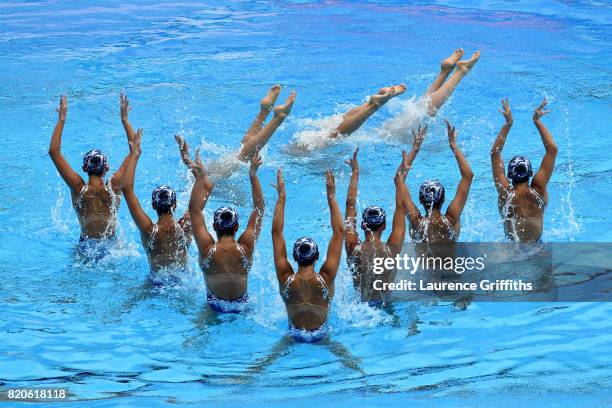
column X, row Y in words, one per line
column 468, row 175
column 552, row 148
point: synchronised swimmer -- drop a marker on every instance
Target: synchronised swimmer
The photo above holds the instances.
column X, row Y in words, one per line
column 226, row 257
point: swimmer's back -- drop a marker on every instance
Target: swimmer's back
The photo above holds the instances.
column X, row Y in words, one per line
column 435, row 228
column 96, row 208
column 166, row 246
column 226, row 268
column 307, row 300
column 523, row 214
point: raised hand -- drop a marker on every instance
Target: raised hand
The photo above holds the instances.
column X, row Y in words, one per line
column 62, row 109
column 200, row 171
column 353, row 161
column 184, row 150
column 402, row 170
column 330, row 184
column 452, row 135
column 135, row 144
column 124, row 105
column 280, row 183
column 506, row 111
column 418, row 137
column 539, row 112
column 256, row 161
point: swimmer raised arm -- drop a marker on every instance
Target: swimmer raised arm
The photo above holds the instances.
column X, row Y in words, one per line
column 453, row 212
column 398, row 230
column 117, row 179
column 413, row 211
column 352, row 240
column 542, row 177
column 124, row 108
column 71, row 177
column 184, row 151
column 281, row 264
column 185, row 220
column 250, row 235
column 499, row 176
column 141, row 219
column 334, row 249
column 199, row 196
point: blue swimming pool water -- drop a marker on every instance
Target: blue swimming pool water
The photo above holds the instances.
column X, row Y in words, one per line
column 200, row 70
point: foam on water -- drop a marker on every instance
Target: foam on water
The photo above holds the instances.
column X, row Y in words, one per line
column 406, row 114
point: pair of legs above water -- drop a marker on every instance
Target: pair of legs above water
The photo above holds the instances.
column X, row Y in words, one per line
column 437, row 94
column 258, row 135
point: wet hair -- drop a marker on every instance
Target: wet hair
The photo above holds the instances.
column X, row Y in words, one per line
column 95, row 163
column 305, row 251
column 431, row 194
column 373, row 218
column 225, row 220
column 163, row 199
column 519, row 169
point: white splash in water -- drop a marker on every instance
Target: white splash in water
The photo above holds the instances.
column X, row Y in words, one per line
column 407, row 113
column 316, row 133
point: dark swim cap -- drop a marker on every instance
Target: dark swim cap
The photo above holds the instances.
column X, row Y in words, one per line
column 163, row 199
column 305, row 251
column 431, row 193
column 225, row 219
column 95, row 162
column 373, row 217
column 519, row 169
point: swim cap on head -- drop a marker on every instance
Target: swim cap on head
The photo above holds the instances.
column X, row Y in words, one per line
column 305, row 251
column 373, row 217
column 225, row 219
column 431, row 193
column 519, row 169
column 95, row 162
column 163, row 198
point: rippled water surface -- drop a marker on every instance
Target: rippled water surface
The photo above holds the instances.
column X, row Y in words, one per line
column 200, row 70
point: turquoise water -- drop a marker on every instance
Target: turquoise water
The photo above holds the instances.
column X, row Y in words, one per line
column 200, row 70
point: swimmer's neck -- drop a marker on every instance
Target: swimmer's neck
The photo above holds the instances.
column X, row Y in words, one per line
column 226, row 239
column 165, row 218
column 433, row 212
column 520, row 187
column 95, row 181
column 306, row 271
column 373, row 236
